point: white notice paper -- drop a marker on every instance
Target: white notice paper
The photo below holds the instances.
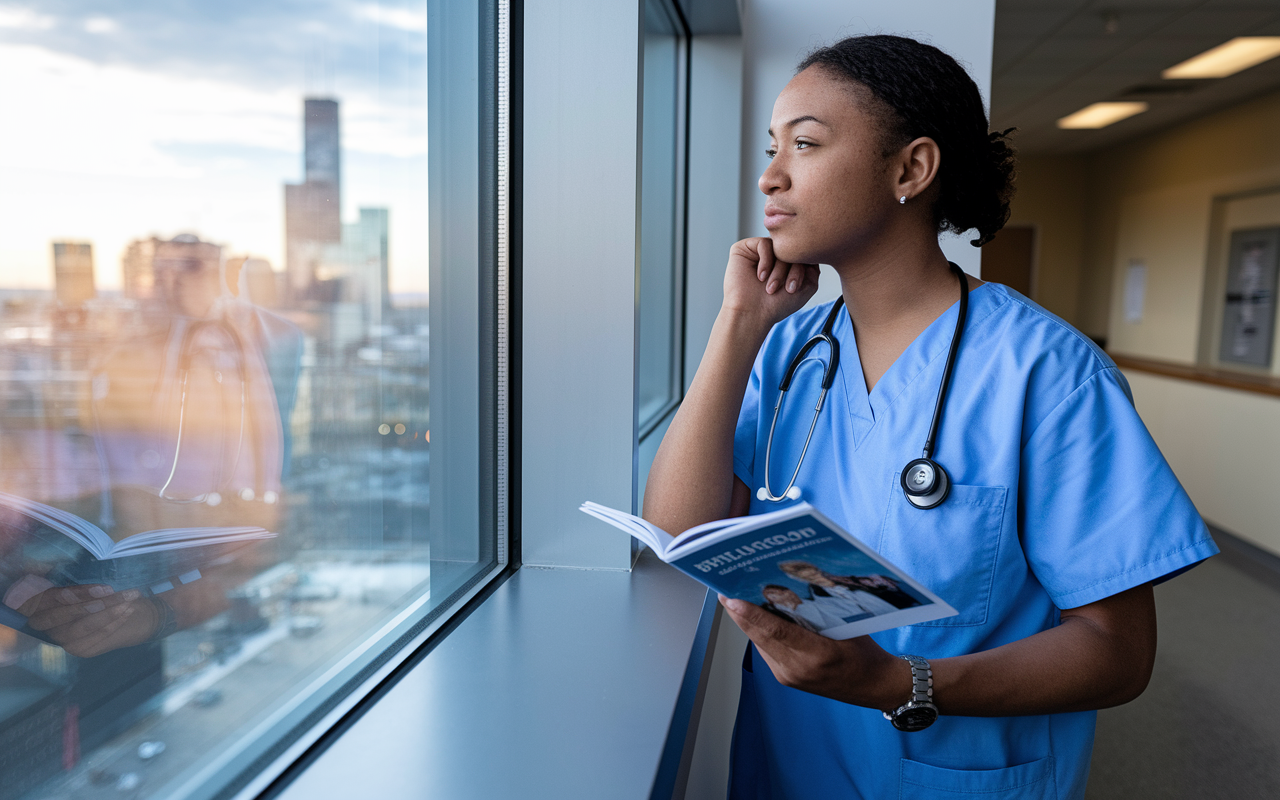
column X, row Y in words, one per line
column 1135, row 290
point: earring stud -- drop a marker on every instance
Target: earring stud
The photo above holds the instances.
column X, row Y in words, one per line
column 902, row 200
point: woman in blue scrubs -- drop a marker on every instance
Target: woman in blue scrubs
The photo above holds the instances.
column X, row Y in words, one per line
column 1062, row 512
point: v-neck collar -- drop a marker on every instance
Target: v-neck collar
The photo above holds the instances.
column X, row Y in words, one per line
column 932, row 344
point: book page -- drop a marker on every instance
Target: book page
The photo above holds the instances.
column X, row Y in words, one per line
column 657, row 539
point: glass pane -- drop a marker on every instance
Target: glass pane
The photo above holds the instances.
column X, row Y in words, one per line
column 221, row 260
column 660, row 228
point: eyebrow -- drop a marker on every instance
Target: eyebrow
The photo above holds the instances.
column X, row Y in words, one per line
column 798, row 120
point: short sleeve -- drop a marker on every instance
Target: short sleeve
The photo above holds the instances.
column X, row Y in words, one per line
column 1102, row 511
column 744, row 436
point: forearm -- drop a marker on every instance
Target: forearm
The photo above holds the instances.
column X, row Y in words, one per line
column 1073, row 667
column 1100, row 655
column 691, row 480
column 1091, row 660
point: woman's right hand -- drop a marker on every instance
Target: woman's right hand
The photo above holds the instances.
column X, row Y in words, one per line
column 763, row 287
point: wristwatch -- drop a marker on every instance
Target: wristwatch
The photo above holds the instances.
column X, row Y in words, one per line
column 919, row 712
column 166, row 619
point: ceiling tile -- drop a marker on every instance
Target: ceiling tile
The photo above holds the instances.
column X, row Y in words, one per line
column 1030, row 22
column 1130, row 24
column 1221, row 24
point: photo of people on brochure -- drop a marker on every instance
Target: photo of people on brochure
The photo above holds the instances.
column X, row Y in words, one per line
column 828, row 601
column 821, row 581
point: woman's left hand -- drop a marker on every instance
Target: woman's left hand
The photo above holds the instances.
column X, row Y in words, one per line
column 856, row 671
column 88, row 621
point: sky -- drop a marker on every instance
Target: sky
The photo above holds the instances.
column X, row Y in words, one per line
column 124, row 120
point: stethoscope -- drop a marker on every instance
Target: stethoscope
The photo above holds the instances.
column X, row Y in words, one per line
column 214, row 496
column 924, row 481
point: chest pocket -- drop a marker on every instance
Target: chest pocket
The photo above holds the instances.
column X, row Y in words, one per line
column 951, row 549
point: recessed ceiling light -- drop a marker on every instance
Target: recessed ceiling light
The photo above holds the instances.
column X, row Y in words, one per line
column 1100, row 115
column 1226, row 59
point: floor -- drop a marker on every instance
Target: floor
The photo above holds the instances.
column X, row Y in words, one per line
column 1208, row 725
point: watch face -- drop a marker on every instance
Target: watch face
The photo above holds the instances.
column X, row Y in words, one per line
column 916, row 718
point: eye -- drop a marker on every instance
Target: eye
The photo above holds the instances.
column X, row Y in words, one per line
column 770, row 152
column 803, row 145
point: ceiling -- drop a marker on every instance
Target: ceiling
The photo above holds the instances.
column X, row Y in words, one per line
column 1053, row 57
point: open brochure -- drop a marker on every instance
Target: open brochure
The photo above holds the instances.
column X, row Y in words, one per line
column 62, row 549
column 795, row 563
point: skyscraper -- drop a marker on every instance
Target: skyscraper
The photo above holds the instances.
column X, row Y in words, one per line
column 313, row 208
column 73, row 273
column 360, row 265
column 138, row 265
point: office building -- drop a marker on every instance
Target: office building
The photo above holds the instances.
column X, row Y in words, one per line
column 73, row 273
column 313, row 208
column 137, row 268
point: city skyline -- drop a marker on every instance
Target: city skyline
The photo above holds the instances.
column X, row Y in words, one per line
column 109, row 164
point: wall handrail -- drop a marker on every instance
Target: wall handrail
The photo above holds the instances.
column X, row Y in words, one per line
column 1229, row 379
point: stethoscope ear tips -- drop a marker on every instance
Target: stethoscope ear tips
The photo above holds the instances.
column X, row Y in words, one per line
column 925, row 483
column 792, row 493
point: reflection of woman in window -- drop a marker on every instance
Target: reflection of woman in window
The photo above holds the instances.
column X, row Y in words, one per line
column 1061, row 510
column 189, row 434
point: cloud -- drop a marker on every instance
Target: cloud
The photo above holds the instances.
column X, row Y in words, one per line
column 101, row 25
column 24, row 19
column 401, row 18
column 273, row 44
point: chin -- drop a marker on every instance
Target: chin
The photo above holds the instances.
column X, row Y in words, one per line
column 794, row 249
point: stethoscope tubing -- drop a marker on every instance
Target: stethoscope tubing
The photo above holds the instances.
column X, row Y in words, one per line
column 827, row 335
column 184, row 369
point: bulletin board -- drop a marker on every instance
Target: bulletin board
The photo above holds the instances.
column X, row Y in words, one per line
column 1249, row 303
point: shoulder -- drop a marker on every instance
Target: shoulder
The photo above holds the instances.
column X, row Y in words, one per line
column 1040, row 333
column 1034, row 353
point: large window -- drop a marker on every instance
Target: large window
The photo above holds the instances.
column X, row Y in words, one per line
column 659, row 363
column 252, row 312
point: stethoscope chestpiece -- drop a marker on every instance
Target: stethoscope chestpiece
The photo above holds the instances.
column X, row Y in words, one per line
column 925, row 483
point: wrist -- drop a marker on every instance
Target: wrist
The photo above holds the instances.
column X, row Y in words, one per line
column 751, row 325
column 166, row 621
column 893, row 688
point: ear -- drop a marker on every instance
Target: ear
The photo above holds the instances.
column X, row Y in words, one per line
column 915, row 167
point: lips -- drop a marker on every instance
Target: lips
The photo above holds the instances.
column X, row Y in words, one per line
column 775, row 216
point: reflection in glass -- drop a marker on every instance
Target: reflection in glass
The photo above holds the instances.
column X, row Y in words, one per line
column 214, row 379
column 661, row 213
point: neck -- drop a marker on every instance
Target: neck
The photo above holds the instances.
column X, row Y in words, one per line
column 904, row 277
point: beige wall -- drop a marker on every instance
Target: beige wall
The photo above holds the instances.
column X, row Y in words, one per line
column 1224, row 445
column 1051, row 199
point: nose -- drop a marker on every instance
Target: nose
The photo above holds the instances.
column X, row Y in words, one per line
column 774, row 178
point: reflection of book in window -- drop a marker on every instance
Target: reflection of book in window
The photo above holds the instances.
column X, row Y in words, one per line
column 65, row 550
column 794, row 562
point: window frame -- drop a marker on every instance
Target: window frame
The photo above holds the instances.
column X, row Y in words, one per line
column 652, row 422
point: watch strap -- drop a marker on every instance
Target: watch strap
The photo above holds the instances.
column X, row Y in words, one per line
column 907, row 717
column 921, row 679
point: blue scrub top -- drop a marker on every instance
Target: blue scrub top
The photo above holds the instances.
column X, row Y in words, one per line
column 1059, row 499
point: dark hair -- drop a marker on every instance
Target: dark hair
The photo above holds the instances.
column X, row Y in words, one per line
column 924, row 92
